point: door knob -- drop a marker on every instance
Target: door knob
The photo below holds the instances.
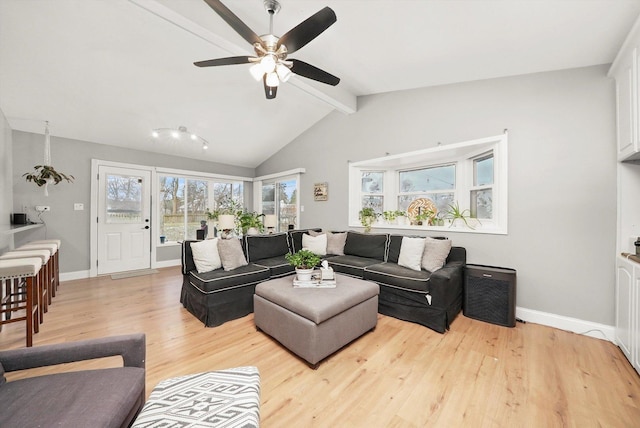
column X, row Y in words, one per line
column 146, row 227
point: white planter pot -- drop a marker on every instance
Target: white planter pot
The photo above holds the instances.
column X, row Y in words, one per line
column 304, row 274
column 253, row 231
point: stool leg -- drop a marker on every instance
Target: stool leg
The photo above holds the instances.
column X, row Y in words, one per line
column 31, row 324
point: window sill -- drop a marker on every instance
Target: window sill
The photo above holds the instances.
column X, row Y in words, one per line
column 169, row 244
column 487, row 230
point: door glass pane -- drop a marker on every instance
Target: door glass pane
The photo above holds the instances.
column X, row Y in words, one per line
column 172, row 191
column 124, row 199
column 197, row 203
column 287, row 194
column 268, row 198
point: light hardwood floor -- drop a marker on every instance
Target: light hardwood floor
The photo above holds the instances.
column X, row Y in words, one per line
column 399, row 375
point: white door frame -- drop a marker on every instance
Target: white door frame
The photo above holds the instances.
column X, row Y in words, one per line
column 93, row 252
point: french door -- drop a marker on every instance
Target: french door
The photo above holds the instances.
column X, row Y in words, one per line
column 124, row 219
column 279, row 197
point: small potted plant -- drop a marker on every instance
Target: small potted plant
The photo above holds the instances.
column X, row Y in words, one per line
column 456, row 215
column 389, row 216
column 304, row 261
column 367, row 217
column 401, row 217
column 251, row 223
column 425, row 218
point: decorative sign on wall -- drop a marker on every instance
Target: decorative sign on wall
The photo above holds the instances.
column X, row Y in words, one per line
column 320, row 192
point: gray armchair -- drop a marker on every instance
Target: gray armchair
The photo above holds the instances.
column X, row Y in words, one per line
column 110, row 397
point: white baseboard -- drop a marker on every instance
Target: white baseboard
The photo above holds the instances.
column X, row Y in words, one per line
column 587, row 328
column 69, row 276
column 167, row 263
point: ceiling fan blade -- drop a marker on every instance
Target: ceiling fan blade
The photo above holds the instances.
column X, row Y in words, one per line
column 223, row 61
column 236, row 23
column 308, row 30
column 269, row 91
column 309, row 71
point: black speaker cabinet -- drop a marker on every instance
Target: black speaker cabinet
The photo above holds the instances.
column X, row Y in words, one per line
column 490, row 294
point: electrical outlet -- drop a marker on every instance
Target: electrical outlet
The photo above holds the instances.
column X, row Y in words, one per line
column 78, row 207
column 42, row 208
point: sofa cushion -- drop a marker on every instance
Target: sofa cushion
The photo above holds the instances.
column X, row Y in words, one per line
column 295, row 238
column 278, row 266
column 205, row 255
column 351, row 265
column 259, row 247
column 92, row 398
column 316, row 244
column 397, row 276
column 231, row 254
column 372, row 246
column 220, row 280
column 393, row 252
column 436, row 252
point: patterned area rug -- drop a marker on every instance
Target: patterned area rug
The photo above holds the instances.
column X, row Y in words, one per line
column 225, row 398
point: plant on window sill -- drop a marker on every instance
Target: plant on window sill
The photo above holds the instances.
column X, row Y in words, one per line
column 454, row 213
column 367, row 217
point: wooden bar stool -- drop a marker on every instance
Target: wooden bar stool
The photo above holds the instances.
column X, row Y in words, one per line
column 56, row 261
column 44, row 282
column 26, row 269
column 53, row 250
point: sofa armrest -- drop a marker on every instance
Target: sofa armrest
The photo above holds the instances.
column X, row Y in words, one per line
column 131, row 347
column 445, row 284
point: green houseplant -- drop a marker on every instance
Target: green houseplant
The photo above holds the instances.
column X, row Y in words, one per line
column 389, row 216
column 455, row 214
column 367, row 217
column 45, row 175
column 304, row 261
column 250, row 220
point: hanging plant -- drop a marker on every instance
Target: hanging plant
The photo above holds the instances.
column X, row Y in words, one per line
column 46, row 174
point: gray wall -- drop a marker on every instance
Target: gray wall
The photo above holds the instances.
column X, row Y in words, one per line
column 74, row 157
column 562, row 174
column 6, row 191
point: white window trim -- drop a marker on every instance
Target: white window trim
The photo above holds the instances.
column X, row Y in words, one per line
column 442, row 154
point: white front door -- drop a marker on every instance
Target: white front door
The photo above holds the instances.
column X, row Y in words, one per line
column 124, row 219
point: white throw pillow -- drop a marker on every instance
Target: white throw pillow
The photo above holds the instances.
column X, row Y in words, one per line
column 205, row 255
column 315, row 244
column 436, row 252
column 411, row 251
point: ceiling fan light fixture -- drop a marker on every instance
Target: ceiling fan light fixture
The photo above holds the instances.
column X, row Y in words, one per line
column 272, row 80
column 283, row 72
column 268, row 63
column 256, row 71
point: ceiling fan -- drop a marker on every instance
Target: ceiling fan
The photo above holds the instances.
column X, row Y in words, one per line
column 270, row 63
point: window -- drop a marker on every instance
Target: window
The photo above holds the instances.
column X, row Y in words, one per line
column 372, row 190
column 436, row 183
column 184, row 202
column 277, row 194
column 280, row 197
column 471, row 175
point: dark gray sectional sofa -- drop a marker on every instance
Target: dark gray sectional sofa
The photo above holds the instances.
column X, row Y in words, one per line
column 432, row 299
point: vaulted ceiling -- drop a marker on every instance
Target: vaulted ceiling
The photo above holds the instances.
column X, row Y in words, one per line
column 110, row 71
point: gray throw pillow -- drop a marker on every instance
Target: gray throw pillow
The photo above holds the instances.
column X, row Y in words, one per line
column 335, row 243
column 435, row 253
column 231, row 254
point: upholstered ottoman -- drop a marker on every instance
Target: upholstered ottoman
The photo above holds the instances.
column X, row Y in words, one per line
column 313, row 323
column 224, row 398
